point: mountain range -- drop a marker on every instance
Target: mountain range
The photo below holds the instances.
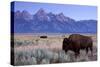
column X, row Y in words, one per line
column 43, row 22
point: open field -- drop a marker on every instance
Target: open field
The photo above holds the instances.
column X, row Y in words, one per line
column 31, row 49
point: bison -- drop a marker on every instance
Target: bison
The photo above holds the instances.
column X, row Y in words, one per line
column 76, row 42
column 43, row 36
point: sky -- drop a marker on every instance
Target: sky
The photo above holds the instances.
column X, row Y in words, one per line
column 77, row 12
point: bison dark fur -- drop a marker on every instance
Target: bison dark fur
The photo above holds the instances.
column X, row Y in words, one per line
column 76, row 42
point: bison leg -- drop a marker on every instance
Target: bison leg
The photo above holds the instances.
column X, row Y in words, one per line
column 65, row 51
column 77, row 52
column 86, row 50
column 91, row 49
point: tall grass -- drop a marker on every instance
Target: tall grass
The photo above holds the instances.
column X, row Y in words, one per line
column 45, row 51
column 39, row 56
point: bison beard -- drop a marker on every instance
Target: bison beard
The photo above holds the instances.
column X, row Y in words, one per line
column 76, row 42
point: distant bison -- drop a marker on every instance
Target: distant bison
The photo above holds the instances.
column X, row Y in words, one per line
column 76, row 42
column 43, row 36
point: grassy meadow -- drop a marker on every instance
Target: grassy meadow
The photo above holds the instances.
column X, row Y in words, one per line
column 31, row 49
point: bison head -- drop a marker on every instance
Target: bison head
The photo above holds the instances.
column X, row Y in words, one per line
column 66, row 44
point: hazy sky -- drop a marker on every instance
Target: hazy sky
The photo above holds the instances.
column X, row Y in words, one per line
column 77, row 12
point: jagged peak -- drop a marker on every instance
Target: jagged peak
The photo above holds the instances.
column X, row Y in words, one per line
column 18, row 14
column 41, row 11
column 25, row 12
column 51, row 13
column 61, row 14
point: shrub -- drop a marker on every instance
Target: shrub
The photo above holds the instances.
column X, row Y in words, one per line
column 40, row 56
column 34, row 61
column 45, row 61
column 18, row 43
column 63, row 57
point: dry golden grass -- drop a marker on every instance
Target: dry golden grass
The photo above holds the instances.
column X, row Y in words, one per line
column 52, row 42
